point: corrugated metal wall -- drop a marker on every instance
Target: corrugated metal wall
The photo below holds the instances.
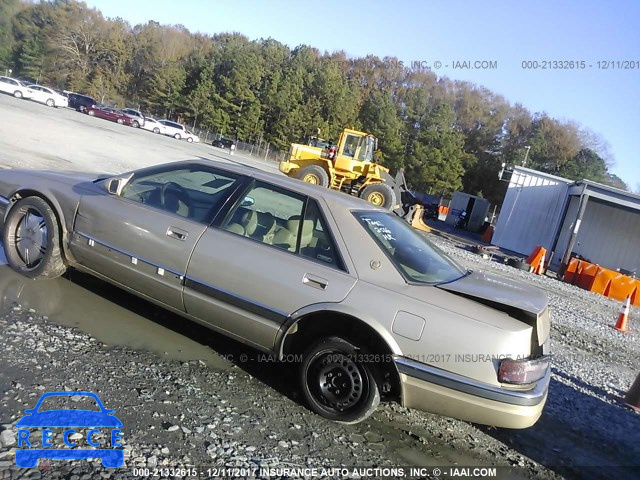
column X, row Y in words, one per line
column 531, row 212
column 609, row 235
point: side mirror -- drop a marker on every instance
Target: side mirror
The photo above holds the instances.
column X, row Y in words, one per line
column 113, row 186
column 247, row 202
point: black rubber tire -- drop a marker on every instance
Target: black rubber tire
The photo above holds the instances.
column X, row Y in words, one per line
column 135, row 124
column 177, row 136
column 519, row 264
column 51, row 263
column 50, row 102
column 17, row 94
column 332, row 357
column 379, row 191
column 156, row 130
column 189, row 139
column 314, row 171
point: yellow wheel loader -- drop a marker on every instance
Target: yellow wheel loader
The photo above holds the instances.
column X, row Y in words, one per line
column 347, row 166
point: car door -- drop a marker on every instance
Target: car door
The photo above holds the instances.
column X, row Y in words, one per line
column 261, row 264
column 143, row 237
column 37, row 93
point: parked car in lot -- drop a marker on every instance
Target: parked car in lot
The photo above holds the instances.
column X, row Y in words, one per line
column 137, row 119
column 48, row 96
column 225, row 143
column 192, row 137
column 176, row 130
column 81, row 102
column 108, row 113
column 15, row 87
column 153, row 125
column 365, row 305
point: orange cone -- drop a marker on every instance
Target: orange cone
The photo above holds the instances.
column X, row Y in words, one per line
column 632, row 398
column 623, row 317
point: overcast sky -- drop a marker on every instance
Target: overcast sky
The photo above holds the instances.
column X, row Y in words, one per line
column 606, row 100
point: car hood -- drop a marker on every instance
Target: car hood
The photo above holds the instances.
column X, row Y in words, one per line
column 69, row 418
column 68, row 177
column 498, row 289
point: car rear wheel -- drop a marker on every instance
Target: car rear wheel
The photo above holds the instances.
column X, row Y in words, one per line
column 51, row 103
column 336, row 381
column 31, row 239
column 314, row 174
column 91, row 113
column 17, row 94
column 177, row 136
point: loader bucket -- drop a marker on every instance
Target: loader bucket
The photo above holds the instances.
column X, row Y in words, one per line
column 415, row 218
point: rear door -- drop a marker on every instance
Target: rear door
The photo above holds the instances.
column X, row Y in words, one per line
column 262, row 263
column 143, row 238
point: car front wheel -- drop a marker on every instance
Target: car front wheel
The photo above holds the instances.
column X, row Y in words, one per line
column 337, row 382
column 31, row 239
column 17, row 94
column 189, row 139
column 156, row 130
column 177, row 136
column 135, row 124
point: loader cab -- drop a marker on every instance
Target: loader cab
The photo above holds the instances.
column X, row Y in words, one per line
column 354, row 147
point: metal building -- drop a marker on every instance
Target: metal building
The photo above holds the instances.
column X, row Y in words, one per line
column 597, row 222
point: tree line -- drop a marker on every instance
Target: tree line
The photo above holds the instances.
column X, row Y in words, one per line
column 448, row 135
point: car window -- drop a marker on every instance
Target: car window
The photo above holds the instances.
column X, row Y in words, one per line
column 415, row 257
column 193, row 192
column 269, row 215
column 317, row 242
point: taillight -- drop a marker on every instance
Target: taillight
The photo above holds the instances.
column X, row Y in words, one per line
column 525, row 371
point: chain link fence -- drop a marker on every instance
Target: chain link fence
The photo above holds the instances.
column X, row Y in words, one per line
column 263, row 150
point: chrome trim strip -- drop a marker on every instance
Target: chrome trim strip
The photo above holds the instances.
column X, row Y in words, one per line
column 236, row 300
column 467, row 385
column 128, row 254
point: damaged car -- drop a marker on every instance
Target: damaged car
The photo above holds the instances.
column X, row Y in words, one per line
column 371, row 310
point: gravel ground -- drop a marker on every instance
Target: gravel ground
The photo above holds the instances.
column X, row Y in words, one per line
column 179, row 411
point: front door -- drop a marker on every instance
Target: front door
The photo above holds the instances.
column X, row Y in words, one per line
column 144, row 237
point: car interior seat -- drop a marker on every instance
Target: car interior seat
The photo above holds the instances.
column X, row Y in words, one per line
column 287, row 237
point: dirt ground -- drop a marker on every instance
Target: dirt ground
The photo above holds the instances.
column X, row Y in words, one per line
column 191, row 399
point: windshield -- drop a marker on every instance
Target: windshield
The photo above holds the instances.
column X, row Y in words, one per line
column 415, row 257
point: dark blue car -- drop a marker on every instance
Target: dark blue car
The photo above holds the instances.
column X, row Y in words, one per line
column 69, row 418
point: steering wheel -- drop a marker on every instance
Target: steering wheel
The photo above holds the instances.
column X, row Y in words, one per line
column 171, row 194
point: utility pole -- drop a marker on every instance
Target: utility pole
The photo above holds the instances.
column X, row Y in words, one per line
column 527, row 148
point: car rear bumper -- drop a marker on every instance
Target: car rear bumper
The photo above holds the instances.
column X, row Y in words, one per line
column 438, row 391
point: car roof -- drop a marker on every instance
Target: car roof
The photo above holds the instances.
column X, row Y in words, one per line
column 334, row 198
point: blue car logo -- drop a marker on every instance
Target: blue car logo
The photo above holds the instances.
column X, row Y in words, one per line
column 28, row 456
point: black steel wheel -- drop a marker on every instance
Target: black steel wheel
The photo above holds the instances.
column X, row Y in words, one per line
column 31, row 239
column 337, row 383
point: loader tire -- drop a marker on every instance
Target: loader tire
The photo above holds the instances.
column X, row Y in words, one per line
column 314, row 174
column 379, row 194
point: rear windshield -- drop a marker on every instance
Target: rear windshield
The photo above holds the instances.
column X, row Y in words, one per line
column 415, row 257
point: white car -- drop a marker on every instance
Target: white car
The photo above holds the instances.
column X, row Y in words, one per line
column 137, row 119
column 178, row 131
column 15, row 87
column 153, row 125
column 48, row 96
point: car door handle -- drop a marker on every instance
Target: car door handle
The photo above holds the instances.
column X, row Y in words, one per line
column 177, row 233
column 315, row 282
